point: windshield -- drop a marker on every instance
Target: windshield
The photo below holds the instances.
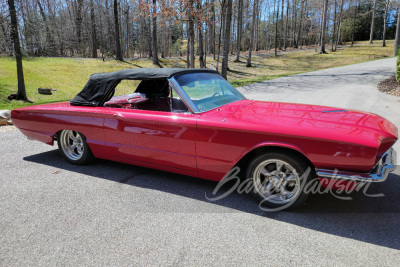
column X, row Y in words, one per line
column 208, row 90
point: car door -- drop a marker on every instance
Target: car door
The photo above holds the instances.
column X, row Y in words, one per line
column 156, row 137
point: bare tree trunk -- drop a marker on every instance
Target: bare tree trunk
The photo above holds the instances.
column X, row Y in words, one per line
column 26, row 31
column 239, row 30
column 276, row 27
column 281, row 32
column 286, row 26
column 252, row 33
column 188, row 49
column 181, row 42
column 397, row 40
column 334, row 29
column 257, row 29
column 94, row 38
column 206, row 31
column 120, row 19
column 101, row 40
column 7, row 38
column 227, row 38
column 212, row 39
column 220, row 32
column 303, row 39
column 233, row 32
column 295, row 22
column 127, row 53
column 149, row 37
column 117, row 41
column 154, row 38
column 191, row 34
column 371, row 35
column 8, row 41
column 354, row 23
column 299, row 41
column 200, row 36
column 191, row 51
column 325, row 14
column 201, row 48
column 163, row 43
column 387, row 3
column 79, row 25
column 49, row 49
column 340, row 24
column 21, row 95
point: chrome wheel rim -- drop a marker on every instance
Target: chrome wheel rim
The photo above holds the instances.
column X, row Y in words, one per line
column 276, row 181
column 72, row 144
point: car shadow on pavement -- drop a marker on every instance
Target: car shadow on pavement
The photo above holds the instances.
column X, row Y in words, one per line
column 374, row 220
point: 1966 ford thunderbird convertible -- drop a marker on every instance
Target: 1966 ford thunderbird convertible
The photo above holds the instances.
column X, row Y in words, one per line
column 193, row 122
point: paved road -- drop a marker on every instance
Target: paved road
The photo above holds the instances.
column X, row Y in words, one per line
column 353, row 87
column 107, row 213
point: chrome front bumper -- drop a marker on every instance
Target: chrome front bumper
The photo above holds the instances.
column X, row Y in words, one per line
column 379, row 173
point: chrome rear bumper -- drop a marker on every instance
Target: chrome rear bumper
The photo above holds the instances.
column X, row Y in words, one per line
column 379, row 173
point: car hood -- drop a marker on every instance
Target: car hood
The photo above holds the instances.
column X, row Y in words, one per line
column 316, row 121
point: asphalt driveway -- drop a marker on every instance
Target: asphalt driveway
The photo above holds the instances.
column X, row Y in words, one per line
column 107, row 213
column 352, row 87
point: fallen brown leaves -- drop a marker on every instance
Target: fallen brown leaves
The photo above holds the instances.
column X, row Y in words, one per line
column 390, row 86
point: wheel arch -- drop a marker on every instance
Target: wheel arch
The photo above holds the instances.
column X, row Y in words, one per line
column 56, row 135
column 58, row 132
column 251, row 153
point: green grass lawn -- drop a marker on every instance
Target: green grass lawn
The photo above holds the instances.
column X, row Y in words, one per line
column 69, row 75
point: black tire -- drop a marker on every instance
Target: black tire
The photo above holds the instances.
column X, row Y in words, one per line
column 282, row 189
column 74, row 148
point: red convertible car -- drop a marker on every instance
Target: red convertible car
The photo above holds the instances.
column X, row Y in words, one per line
column 193, row 122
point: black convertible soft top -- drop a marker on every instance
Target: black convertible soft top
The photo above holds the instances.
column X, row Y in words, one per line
column 101, row 84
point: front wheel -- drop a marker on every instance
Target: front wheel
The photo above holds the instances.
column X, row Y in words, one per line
column 74, row 148
column 278, row 180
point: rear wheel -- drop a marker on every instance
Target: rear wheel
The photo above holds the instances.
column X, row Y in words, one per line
column 278, row 180
column 74, row 148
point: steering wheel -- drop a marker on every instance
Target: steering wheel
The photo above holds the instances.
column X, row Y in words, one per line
column 216, row 94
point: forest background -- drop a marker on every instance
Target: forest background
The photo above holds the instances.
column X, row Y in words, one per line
column 62, row 42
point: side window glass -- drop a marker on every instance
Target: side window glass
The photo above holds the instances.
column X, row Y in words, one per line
column 177, row 105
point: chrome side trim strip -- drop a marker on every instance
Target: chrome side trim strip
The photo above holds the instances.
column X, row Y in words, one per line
column 385, row 165
column 336, row 110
